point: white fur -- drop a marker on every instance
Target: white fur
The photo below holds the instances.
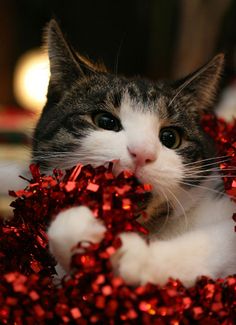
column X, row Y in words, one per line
column 199, row 239
column 71, row 227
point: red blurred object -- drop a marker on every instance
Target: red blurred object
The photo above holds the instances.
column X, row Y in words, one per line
column 16, row 125
column 14, row 117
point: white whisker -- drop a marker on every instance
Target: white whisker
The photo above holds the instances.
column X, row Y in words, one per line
column 220, row 176
column 168, row 210
column 197, row 165
column 208, row 159
column 206, row 188
column 201, row 173
column 187, row 193
column 181, row 206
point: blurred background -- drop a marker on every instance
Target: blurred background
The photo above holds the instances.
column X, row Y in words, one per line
column 151, row 38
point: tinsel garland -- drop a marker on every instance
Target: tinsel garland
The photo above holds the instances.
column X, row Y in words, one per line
column 92, row 294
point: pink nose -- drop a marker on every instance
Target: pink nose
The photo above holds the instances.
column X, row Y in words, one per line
column 142, row 157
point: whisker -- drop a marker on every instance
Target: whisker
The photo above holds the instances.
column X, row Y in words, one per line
column 190, row 178
column 117, row 56
column 50, row 152
column 219, row 171
column 181, row 206
column 210, row 168
column 207, row 159
column 197, row 165
column 206, row 188
column 50, row 156
column 168, row 210
column 188, row 193
column 215, row 173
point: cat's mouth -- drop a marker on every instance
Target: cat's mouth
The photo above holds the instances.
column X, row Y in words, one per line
column 136, row 171
column 118, row 168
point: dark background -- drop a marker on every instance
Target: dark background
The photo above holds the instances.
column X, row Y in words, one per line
column 152, row 38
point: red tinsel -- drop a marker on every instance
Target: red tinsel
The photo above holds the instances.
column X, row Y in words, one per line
column 92, row 294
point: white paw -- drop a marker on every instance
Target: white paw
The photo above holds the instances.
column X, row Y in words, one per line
column 131, row 258
column 69, row 228
column 181, row 260
column 139, row 263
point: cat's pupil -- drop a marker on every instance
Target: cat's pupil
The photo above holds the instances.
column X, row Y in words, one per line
column 107, row 121
column 170, row 138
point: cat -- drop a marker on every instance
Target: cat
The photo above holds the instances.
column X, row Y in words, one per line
column 152, row 129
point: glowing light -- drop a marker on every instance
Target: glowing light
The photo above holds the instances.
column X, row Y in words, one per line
column 31, row 79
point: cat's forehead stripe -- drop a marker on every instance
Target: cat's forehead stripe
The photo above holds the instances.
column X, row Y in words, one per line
column 157, row 108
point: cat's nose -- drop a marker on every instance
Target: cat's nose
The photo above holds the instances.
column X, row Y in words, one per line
column 142, row 156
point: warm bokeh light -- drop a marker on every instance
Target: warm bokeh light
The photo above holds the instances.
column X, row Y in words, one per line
column 31, row 79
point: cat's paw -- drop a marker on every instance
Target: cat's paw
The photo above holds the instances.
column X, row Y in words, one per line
column 130, row 259
column 181, row 259
column 71, row 227
column 139, row 263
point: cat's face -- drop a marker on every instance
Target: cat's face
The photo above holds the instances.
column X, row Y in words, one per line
column 152, row 129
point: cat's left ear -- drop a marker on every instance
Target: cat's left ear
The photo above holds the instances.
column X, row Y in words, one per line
column 203, row 84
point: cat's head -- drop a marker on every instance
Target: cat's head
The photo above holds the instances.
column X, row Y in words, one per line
column 152, row 128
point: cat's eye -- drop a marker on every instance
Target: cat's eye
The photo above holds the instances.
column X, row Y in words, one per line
column 170, row 138
column 107, row 121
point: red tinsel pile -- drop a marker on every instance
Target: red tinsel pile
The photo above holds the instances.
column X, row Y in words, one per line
column 92, row 294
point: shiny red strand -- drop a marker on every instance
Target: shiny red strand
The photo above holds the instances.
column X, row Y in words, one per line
column 92, row 294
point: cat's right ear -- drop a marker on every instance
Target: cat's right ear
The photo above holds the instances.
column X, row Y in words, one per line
column 66, row 66
column 63, row 66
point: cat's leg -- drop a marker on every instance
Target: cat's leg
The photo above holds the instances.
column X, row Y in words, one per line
column 209, row 251
column 69, row 228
